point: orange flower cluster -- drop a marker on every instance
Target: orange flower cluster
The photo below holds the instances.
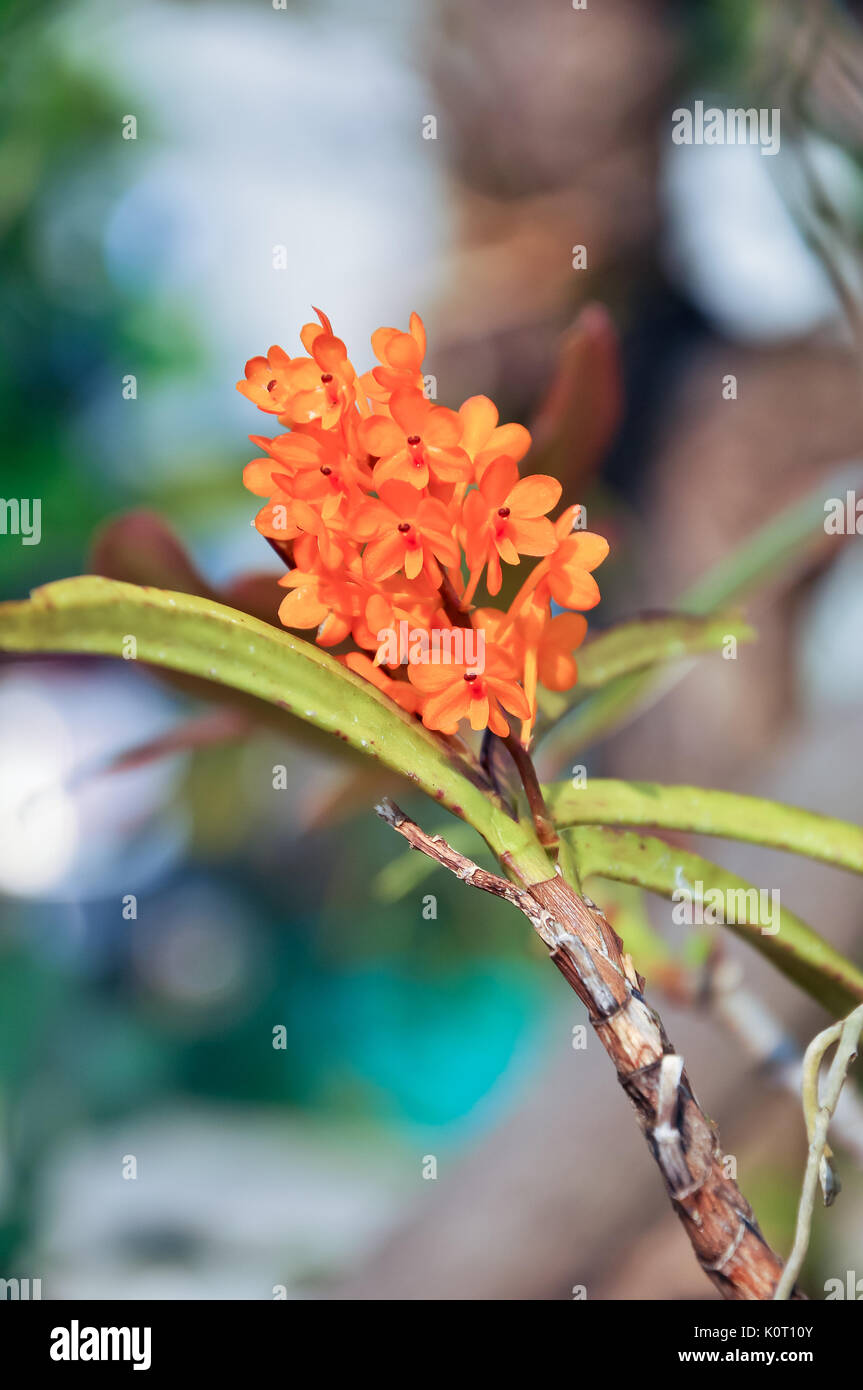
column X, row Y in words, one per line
column 392, row 510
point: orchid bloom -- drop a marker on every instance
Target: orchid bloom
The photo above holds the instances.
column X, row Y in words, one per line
column 392, row 511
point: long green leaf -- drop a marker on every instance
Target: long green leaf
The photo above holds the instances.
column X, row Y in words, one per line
column 706, row 812
column 796, row 950
column 201, row 638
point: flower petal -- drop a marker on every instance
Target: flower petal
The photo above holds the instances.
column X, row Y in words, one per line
column 498, row 481
column 413, row 562
column 302, row 608
column 410, row 410
column 402, row 499
column 574, row 588
column 444, row 711
column 380, row 436
column 557, row 669
column 442, row 428
column 258, row 477
column 534, row 495
column 511, row 696
column 381, row 338
column 384, row 557
column 585, row 548
column 479, row 418
column 418, row 333
column 512, row 440
column 478, row 712
column 532, row 535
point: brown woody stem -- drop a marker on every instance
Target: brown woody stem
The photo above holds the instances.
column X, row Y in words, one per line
column 684, row 1143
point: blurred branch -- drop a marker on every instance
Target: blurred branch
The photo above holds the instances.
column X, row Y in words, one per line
column 201, row 731
column 811, row 36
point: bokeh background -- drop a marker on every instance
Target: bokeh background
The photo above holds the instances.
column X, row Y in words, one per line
column 305, row 1169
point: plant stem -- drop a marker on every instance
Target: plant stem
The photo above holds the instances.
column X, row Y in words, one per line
column 457, row 611
column 718, row 1220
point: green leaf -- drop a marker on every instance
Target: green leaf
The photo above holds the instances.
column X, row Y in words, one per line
column 201, row 638
column 634, row 646
column 796, row 950
column 706, row 812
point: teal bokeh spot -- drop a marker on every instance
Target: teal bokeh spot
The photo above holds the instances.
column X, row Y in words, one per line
column 432, row 1048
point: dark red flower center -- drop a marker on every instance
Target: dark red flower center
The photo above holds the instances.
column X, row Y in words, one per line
column 404, row 526
column 471, row 676
column 326, row 471
column 414, row 439
column 503, row 511
column 327, row 378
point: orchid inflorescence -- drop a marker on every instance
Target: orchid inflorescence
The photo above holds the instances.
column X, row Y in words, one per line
column 391, row 510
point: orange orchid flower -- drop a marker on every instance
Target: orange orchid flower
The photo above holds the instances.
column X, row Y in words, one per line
column 504, row 518
column 395, row 600
column 385, row 504
column 456, row 691
column 565, row 575
column 266, row 382
column 484, row 440
column 420, row 441
column 401, row 356
column 561, row 636
column 320, row 469
column 569, row 577
column 326, row 601
column 320, row 387
column 405, row 531
column 402, row 692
